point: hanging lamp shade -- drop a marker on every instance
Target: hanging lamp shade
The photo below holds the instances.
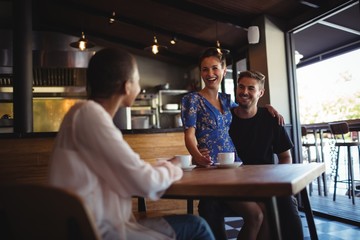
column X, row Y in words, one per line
column 218, row 46
column 155, row 47
column 220, row 49
column 82, row 43
column 253, row 35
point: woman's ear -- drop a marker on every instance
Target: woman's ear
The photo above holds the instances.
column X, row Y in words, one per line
column 225, row 69
column 126, row 88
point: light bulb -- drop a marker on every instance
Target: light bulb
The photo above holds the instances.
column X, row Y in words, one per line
column 112, row 18
column 218, row 48
column 155, row 49
column 82, row 45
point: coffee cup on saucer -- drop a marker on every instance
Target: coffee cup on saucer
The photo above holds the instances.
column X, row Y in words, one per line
column 184, row 160
column 226, row 158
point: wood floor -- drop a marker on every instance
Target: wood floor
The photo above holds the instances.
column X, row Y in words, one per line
column 341, row 210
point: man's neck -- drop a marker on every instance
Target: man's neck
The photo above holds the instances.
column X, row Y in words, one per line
column 245, row 113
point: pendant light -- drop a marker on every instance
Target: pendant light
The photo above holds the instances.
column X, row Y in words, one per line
column 82, row 43
column 155, row 47
column 218, row 46
column 173, row 41
column 112, row 18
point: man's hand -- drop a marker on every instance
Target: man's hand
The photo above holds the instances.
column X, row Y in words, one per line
column 275, row 113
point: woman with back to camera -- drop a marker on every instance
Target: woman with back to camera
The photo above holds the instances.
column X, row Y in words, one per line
column 91, row 158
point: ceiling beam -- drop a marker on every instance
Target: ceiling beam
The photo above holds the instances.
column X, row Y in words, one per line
column 96, row 12
column 339, row 27
column 67, row 29
column 199, row 10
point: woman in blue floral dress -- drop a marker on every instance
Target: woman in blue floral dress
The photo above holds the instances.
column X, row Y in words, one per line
column 211, row 124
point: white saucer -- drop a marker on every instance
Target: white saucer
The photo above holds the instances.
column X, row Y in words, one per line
column 189, row 168
column 231, row 165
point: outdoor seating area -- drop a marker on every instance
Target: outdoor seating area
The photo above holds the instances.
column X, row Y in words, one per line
column 341, row 158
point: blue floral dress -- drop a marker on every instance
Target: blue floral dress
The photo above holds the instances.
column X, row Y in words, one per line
column 211, row 126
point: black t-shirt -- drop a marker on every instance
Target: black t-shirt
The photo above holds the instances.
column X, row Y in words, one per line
column 257, row 139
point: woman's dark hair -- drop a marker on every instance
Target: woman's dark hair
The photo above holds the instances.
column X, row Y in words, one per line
column 213, row 52
column 108, row 71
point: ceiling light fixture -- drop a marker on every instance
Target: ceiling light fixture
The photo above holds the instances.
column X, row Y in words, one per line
column 173, row 41
column 155, row 48
column 112, row 18
column 218, row 46
column 82, row 43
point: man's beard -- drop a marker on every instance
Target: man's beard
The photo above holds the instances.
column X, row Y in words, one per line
column 244, row 106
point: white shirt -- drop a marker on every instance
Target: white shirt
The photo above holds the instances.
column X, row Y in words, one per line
column 92, row 159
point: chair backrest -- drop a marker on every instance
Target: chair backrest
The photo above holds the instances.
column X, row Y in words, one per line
column 306, row 140
column 43, row 212
column 303, row 131
column 339, row 128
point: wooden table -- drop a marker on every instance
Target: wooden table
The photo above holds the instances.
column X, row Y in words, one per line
column 251, row 182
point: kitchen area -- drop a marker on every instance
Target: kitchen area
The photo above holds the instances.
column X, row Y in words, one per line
column 59, row 81
column 153, row 110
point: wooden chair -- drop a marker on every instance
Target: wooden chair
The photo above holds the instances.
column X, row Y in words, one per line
column 43, row 212
column 339, row 130
column 308, row 145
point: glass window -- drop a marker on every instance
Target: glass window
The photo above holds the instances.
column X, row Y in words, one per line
column 330, row 90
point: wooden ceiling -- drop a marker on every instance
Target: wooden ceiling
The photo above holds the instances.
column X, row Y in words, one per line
column 196, row 24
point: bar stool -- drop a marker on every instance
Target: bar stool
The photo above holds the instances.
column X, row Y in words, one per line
column 338, row 130
column 307, row 144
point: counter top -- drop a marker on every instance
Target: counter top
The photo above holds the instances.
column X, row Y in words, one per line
column 53, row 134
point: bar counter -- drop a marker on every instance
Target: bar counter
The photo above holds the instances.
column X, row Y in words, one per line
column 53, row 134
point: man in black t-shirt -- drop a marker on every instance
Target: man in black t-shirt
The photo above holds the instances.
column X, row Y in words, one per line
column 257, row 136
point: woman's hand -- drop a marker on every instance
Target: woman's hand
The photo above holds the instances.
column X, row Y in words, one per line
column 275, row 113
column 204, row 159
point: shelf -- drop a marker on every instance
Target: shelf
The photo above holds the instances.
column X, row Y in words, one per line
column 170, row 97
column 172, row 92
column 170, row 111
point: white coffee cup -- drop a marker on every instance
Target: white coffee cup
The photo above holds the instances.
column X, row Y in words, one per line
column 226, row 157
column 184, row 160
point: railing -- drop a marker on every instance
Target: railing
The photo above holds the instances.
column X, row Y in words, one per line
column 322, row 135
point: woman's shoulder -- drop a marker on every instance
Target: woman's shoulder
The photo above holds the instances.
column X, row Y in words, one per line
column 191, row 96
column 226, row 98
column 224, row 95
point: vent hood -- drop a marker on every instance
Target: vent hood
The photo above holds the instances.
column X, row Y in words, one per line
column 50, row 50
column 58, row 69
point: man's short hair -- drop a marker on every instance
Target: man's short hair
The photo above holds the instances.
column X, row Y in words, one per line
column 253, row 74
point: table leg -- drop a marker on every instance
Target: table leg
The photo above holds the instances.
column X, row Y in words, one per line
column 274, row 221
column 323, row 160
column 141, row 204
column 190, row 205
column 309, row 214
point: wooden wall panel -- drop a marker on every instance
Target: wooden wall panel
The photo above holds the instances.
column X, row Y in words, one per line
column 152, row 146
column 26, row 160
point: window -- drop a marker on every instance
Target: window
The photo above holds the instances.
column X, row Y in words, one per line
column 330, row 90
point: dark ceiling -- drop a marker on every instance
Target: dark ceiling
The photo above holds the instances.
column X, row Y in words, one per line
column 197, row 24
